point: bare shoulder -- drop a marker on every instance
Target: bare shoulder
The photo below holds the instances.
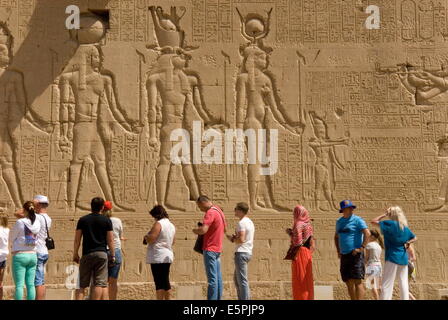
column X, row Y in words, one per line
column 194, row 81
column 266, row 78
column 157, row 225
column 14, row 76
column 152, row 79
column 242, row 77
column 67, row 77
column 107, row 79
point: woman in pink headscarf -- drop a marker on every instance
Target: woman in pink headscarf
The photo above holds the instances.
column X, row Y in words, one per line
column 302, row 271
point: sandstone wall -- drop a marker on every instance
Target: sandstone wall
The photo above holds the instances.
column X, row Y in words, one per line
column 361, row 114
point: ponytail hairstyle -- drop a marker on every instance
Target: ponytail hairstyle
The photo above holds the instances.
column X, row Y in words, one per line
column 377, row 236
column 30, row 213
column 396, row 213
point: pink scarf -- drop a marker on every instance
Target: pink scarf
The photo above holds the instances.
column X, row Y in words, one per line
column 302, row 228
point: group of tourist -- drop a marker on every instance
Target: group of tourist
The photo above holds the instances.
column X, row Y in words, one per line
column 213, row 229
column 100, row 262
column 359, row 250
column 29, row 242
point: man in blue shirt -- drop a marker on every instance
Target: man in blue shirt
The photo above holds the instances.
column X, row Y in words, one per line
column 351, row 237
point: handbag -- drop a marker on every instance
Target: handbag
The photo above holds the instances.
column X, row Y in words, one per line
column 198, row 245
column 49, row 242
column 292, row 252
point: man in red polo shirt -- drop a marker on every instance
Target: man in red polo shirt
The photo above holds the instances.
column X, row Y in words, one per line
column 213, row 229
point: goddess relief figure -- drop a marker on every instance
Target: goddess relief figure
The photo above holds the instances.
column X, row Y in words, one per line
column 255, row 96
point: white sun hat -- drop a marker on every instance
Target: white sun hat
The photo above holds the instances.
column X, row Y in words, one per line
column 41, row 199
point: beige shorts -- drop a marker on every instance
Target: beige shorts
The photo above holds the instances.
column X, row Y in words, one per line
column 93, row 265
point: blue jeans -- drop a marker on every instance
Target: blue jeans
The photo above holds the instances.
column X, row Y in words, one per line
column 212, row 262
column 114, row 269
column 40, row 269
column 240, row 276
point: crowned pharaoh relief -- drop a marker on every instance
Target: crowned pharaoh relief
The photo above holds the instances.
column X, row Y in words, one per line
column 376, row 134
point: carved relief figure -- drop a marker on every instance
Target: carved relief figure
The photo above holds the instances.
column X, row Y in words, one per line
column 324, row 149
column 13, row 108
column 442, row 146
column 255, row 94
column 422, row 82
column 88, row 109
column 178, row 92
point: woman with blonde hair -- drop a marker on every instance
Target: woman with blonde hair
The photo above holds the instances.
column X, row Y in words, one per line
column 397, row 239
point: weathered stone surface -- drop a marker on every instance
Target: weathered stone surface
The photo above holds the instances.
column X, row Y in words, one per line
column 361, row 114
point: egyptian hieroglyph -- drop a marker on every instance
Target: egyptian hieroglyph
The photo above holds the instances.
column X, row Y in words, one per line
column 361, row 114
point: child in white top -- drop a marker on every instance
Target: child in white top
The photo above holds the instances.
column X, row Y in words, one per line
column 374, row 268
column 4, row 250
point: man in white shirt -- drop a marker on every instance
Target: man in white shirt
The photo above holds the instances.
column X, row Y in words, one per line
column 244, row 240
column 41, row 204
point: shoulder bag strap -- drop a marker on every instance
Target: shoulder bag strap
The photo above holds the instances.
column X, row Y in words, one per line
column 222, row 218
column 46, row 227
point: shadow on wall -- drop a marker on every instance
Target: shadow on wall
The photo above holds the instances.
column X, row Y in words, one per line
column 35, row 46
column 46, row 48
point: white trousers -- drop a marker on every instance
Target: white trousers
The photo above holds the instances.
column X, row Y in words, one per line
column 392, row 270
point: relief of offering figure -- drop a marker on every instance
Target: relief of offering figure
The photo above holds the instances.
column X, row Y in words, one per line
column 13, row 107
column 88, row 110
column 442, row 154
column 178, row 92
column 255, row 96
column 422, row 82
column 324, row 149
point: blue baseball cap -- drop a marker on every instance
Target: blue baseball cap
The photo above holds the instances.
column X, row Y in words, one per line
column 346, row 204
